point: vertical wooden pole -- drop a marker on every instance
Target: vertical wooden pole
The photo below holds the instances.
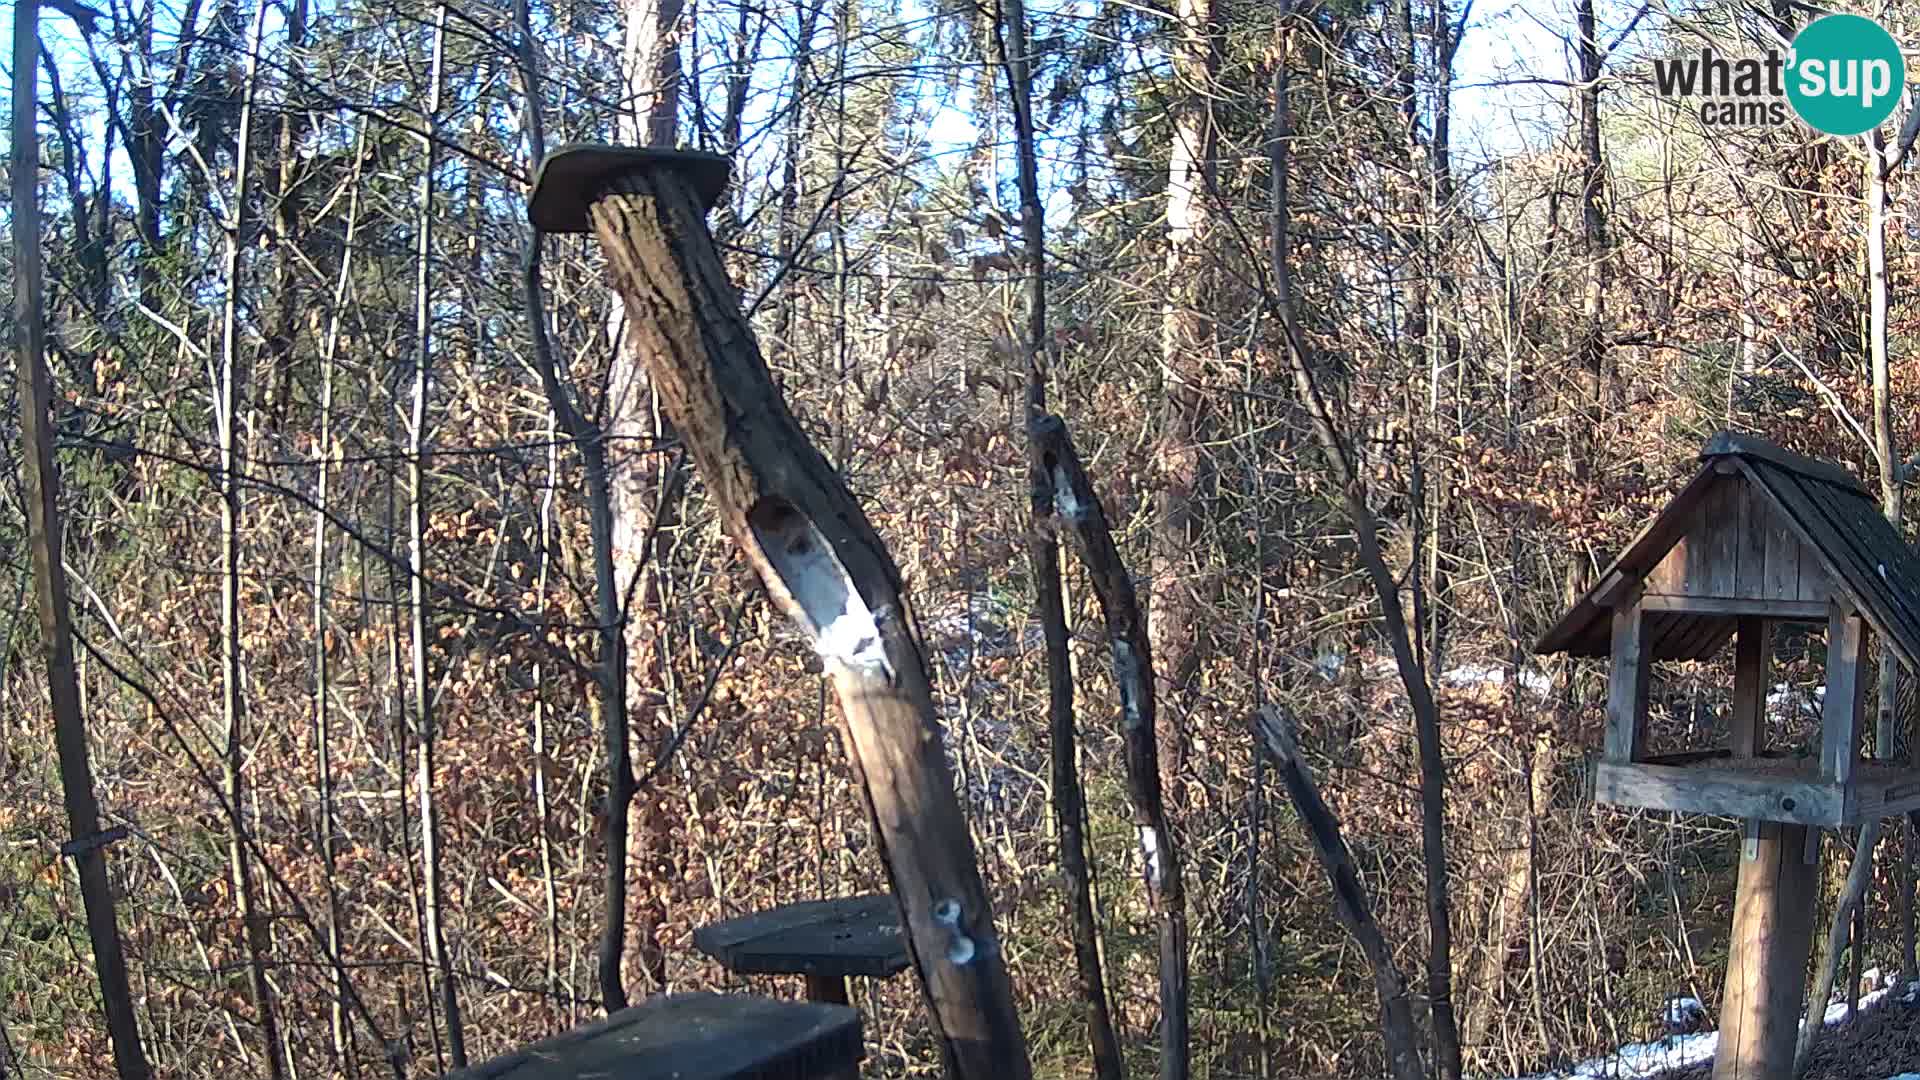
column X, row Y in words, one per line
column 1846, row 695
column 1752, row 652
column 1767, row 966
column 1627, row 684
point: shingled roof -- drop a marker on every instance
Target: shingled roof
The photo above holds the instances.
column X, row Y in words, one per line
column 1831, row 514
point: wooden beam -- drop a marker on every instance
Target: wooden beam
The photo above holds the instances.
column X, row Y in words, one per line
column 1752, row 649
column 805, row 535
column 1846, row 694
column 1726, row 790
column 1767, row 963
column 1777, row 610
column 1627, row 684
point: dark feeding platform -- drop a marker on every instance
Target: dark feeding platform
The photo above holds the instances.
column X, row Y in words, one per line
column 693, row 1037
column 572, row 178
column 824, row 940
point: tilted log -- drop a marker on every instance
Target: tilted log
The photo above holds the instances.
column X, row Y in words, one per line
column 804, row 534
column 1282, row 743
column 1079, row 513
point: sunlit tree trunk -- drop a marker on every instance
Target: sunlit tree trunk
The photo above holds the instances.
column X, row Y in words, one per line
column 259, row 945
column 1185, row 348
column 425, row 734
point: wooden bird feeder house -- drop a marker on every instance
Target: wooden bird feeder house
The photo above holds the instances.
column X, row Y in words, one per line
column 1759, row 536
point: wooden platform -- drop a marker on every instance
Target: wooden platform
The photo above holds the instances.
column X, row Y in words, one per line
column 853, row 935
column 693, row 1037
column 1788, row 789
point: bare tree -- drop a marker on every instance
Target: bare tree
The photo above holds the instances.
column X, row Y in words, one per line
column 41, row 487
column 259, row 943
column 417, row 451
column 1043, row 552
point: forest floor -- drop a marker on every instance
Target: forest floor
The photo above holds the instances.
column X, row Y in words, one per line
column 1882, row 1041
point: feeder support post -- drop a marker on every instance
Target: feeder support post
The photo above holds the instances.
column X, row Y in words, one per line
column 826, row 569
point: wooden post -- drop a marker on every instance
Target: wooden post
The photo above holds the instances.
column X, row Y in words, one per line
column 804, row 534
column 1846, row 694
column 1627, row 684
column 1767, row 964
column 1753, row 648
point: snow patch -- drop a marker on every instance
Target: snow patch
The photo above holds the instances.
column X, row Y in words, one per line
column 1638, row 1060
column 1534, row 682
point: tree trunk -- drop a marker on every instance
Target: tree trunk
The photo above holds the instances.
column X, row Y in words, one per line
column 259, row 943
column 1043, row 553
column 812, row 546
column 1078, row 510
column 1413, row 676
column 322, row 632
column 1859, row 877
column 40, row 486
column 417, row 450
column 1173, row 599
column 1282, row 743
column 642, row 495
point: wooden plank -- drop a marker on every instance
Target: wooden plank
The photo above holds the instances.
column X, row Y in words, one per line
column 1750, row 572
column 1627, row 685
column 1712, row 542
column 692, row 1037
column 853, row 935
column 1782, row 581
column 1766, row 967
column 1846, row 695
column 1816, row 586
column 1727, row 791
column 1778, row 610
column 1887, row 796
column 1752, row 654
column 1669, row 575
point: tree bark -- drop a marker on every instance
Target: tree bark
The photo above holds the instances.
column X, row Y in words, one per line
column 1173, row 598
column 259, row 944
column 812, row 546
column 1413, row 675
column 1077, row 510
column 417, row 450
column 322, row 632
column 1281, row 742
column 642, row 493
column 1043, row 554
column 40, row 485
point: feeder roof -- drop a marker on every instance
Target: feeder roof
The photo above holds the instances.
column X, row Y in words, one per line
column 1822, row 505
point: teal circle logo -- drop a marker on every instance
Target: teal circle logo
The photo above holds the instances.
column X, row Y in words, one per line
column 1845, row 74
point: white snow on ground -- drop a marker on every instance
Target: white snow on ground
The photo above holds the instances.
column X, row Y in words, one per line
column 1637, row 1060
column 1535, row 682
